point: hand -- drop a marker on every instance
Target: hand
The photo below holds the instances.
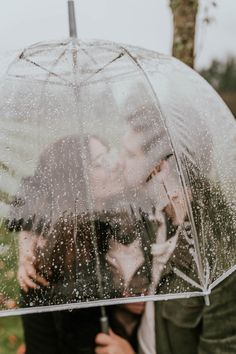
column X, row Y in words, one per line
column 27, row 275
column 112, row 344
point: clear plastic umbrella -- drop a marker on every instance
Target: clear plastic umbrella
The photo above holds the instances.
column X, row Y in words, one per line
column 117, row 178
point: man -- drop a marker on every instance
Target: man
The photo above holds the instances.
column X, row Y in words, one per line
column 187, row 325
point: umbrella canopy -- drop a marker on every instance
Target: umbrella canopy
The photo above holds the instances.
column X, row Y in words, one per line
column 119, row 164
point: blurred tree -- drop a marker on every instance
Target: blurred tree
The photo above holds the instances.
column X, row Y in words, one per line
column 227, row 79
column 184, row 18
column 222, row 76
column 212, row 73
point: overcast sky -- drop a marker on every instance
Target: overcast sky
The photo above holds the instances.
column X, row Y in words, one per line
column 145, row 23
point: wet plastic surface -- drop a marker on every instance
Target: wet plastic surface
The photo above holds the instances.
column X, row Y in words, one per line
column 117, row 178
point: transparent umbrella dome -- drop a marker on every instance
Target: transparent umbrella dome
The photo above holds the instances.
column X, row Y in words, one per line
column 117, row 178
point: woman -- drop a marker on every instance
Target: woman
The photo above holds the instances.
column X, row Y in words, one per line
column 61, row 242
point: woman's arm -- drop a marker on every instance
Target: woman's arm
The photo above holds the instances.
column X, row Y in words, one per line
column 27, row 275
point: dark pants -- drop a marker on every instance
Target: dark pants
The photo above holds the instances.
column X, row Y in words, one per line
column 62, row 332
column 188, row 326
column 41, row 335
column 72, row 332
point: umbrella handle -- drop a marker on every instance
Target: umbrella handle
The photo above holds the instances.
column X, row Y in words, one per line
column 104, row 324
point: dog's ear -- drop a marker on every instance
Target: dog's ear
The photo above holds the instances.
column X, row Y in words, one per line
column 97, row 147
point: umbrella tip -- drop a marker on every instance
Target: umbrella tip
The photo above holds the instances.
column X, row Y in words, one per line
column 72, row 19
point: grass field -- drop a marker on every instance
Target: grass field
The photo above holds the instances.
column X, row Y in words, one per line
column 11, row 335
column 9, row 288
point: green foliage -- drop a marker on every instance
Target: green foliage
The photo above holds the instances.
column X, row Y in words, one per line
column 11, row 335
column 5, row 197
column 9, row 288
column 11, row 332
column 222, row 76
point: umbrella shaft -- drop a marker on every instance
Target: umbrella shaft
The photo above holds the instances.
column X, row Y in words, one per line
column 104, row 324
column 104, row 321
column 72, row 19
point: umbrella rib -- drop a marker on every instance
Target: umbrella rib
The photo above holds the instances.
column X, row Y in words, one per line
column 46, row 70
column 51, row 73
column 24, row 54
column 196, row 244
column 42, row 48
column 90, row 57
column 105, row 66
column 187, row 278
column 86, row 52
column 55, row 63
column 43, row 45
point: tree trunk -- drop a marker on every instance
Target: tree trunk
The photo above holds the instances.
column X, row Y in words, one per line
column 184, row 17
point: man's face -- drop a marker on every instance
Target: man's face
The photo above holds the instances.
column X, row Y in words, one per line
column 165, row 182
column 112, row 175
column 176, row 206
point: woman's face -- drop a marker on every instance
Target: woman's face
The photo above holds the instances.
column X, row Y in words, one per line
column 111, row 173
column 105, row 171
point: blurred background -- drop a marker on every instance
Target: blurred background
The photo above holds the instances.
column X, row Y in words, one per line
column 199, row 32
